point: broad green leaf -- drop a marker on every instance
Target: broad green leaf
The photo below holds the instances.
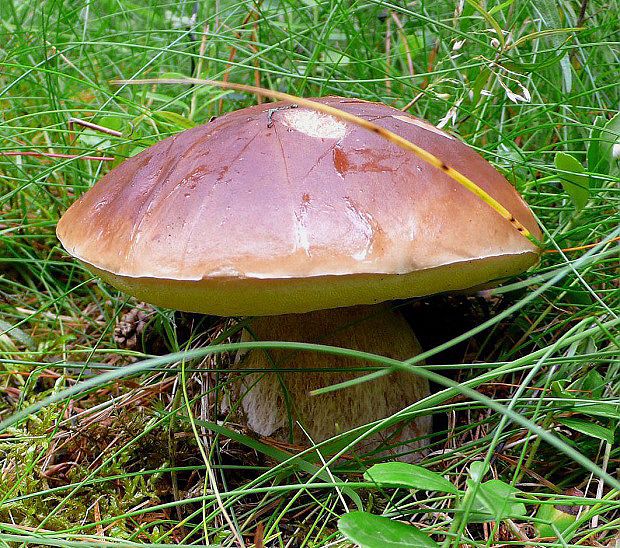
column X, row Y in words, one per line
column 136, row 150
column 175, row 119
column 335, row 58
column 9, row 331
column 541, row 33
column 98, row 139
column 594, row 384
column 607, row 410
column 558, row 389
column 467, row 20
column 163, row 98
column 589, row 428
column 556, row 521
column 575, row 183
column 579, row 296
column 117, row 123
column 479, row 83
column 370, row 531
column 94, row 139
column 6, row 344
column 493, row 502
column 596, row 164
column 415, row 43
column 546, row 62
column 477, row 470
column 401, row 474
column 549, row 13
column 610, row 136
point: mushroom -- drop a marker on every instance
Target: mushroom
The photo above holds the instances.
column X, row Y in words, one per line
column 306, row 224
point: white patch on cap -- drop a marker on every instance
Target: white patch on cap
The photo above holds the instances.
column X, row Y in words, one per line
column 314, row 123
column 302, row 240
column 423, row 125
column 362, row 223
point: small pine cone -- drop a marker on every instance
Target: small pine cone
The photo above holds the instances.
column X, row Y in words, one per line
column 130, row 327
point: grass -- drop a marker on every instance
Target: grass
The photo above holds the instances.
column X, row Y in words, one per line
column 109, row 433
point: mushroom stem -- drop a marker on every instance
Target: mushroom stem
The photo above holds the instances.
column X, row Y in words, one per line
column 278, row 404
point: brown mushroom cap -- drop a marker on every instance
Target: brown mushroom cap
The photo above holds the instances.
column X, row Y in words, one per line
column 246, row 217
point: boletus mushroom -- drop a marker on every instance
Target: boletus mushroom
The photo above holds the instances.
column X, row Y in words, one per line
column 306, row 224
